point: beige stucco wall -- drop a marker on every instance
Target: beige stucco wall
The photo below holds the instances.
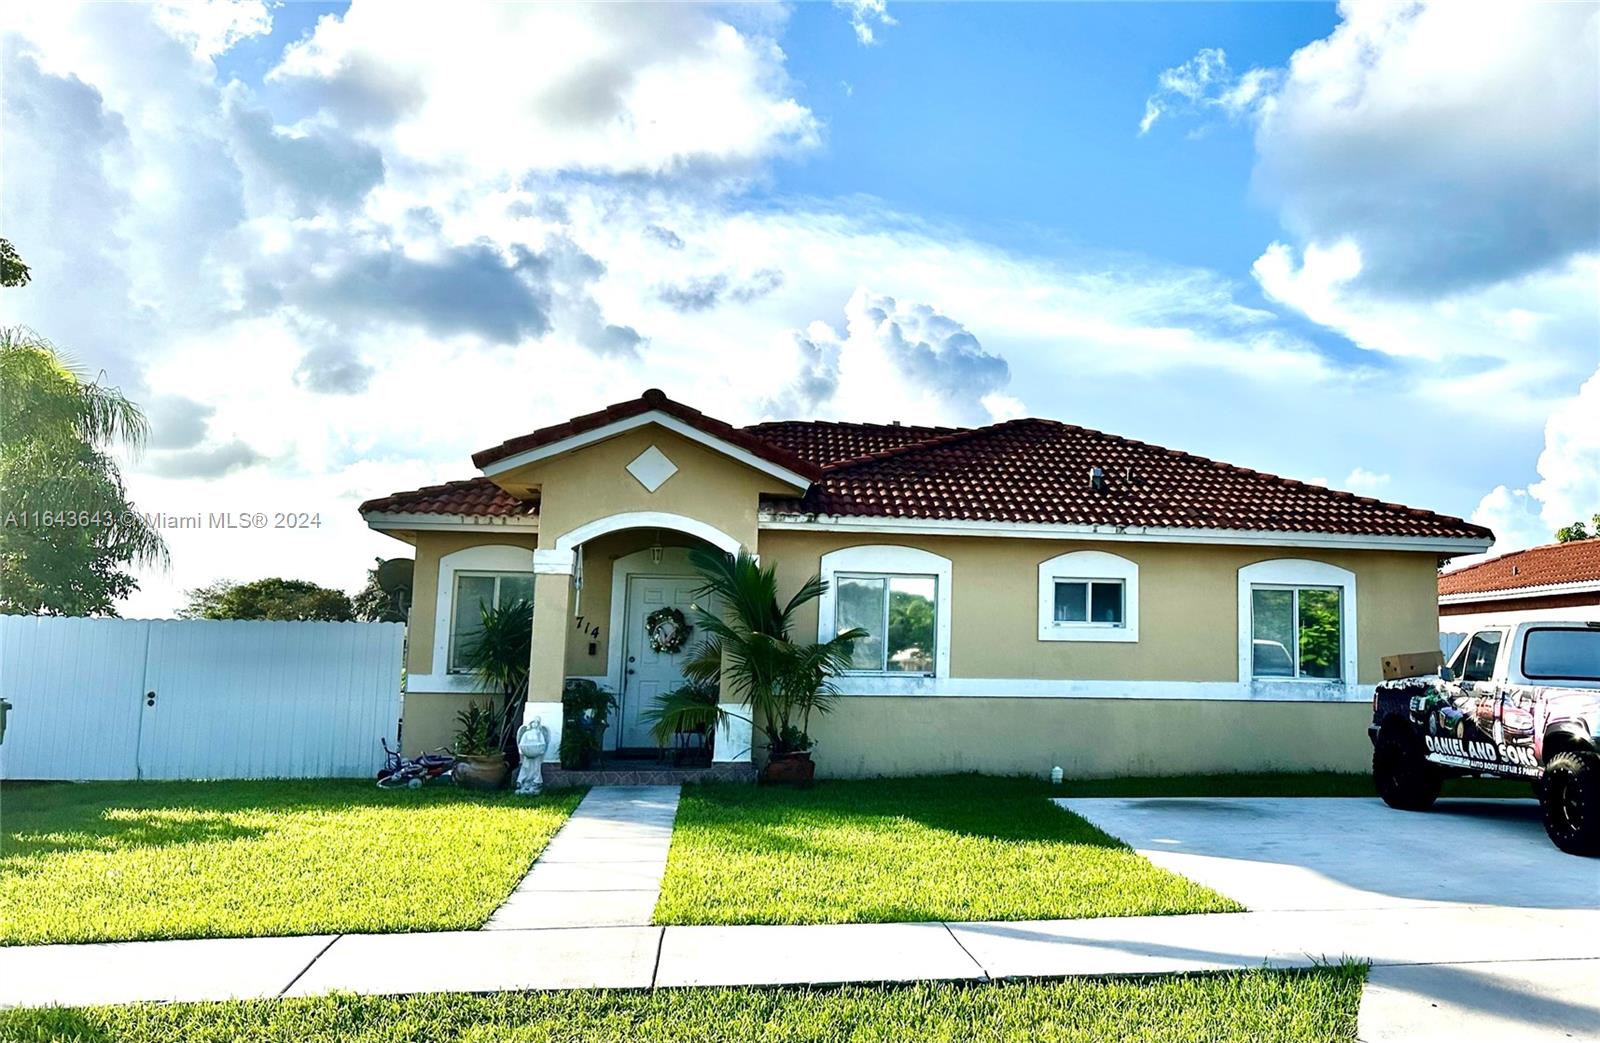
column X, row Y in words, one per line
column 1088, row 738
column 428, row 719
column 1188, row 604
column 593, row 482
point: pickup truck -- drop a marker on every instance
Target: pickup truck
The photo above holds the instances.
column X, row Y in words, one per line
column 1518, row 700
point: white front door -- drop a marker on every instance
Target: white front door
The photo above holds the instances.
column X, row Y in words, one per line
column 647, row 673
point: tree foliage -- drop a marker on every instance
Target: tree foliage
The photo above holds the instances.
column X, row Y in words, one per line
column 1578, row 531
column 1319, row 633
column 911, row 625
column 67, row 529
column 12, row 271
column 271, row 598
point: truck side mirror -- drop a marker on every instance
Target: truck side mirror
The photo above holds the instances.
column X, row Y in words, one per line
column 1446, row 674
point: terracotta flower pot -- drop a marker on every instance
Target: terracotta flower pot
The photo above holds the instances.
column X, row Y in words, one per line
column 481, row 773
column 789, row 769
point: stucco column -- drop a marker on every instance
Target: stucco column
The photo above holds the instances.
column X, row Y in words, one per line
column 547, row 666
column 734, row 735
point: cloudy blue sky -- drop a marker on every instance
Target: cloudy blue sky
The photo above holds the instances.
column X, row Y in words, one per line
column 336, row 248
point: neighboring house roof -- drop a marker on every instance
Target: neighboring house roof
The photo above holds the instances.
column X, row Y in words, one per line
column 1559, row 565
column 477, row 497
column 1018, row 472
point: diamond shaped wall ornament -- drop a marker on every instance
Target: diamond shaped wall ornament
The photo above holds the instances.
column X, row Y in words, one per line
column 652, row 468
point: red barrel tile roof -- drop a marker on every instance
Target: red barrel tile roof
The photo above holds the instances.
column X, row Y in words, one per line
column 1555, row 563
column 1037, row 471
column 1020, row 471
column 828, row 444
column 478, row 497
column 652, row 400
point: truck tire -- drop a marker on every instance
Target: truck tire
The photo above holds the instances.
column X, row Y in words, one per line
column 1400, row 770
column 1571, row 802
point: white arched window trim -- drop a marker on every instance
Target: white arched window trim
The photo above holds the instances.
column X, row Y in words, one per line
column 893, row 560
column 1088, row 565
column 1298, row 572
column 488, row 558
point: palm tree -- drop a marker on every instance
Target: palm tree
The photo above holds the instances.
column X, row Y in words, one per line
column 57, row 428
column 498, row 657
column 748, row 654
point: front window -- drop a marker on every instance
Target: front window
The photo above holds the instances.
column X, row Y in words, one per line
column 897, row 612
column 1090, row 602
column 1295, row 632
column 476, row 591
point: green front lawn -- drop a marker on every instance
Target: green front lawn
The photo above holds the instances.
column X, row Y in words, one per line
column 886, row 850
column 1283, row 1006
column 121, row 861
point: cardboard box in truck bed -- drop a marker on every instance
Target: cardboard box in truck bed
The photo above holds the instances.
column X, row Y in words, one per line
column 1412, row 664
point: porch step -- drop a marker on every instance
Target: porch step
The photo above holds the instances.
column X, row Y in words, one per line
column 636, row 773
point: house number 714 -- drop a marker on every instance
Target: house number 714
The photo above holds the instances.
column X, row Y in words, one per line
column 589, row 629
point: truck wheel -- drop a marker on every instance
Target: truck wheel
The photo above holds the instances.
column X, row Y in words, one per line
column 1571, row 803
column 1401, row 771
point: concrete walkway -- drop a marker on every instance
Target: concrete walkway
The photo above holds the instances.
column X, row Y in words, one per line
column 603, row 868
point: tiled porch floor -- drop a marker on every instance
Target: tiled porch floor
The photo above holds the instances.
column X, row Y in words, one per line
column 629, row 772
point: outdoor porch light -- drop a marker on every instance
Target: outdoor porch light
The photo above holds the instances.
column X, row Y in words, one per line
column 655, row 549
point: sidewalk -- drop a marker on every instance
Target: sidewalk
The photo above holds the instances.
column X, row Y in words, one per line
column 1447, row 964
column 656, row 957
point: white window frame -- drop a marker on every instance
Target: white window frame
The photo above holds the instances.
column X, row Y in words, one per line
column 460, row 574
column 1294, row 609
column 888, row 589
column 1279, row 573
column 486, row 558
column 890, row 561
column 1088, row 566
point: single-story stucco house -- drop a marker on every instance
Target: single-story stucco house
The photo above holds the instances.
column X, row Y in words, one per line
column 1060, row 596
column 1555, row 581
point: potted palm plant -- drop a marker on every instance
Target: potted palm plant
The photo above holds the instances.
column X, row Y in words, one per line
column 480, row 762
column 748, row 652
column 684, row 714
column 497, row 657
column 585, row 710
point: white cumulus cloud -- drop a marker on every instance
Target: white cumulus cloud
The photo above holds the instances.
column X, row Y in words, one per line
column 503, row 89
column 865, row 17
column 1568, row 489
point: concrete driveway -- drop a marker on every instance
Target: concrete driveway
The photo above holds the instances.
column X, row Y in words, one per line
column 1488, row 859
column 1351, row 853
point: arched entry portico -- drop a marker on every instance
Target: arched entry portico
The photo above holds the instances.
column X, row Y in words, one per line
column 582, row 563
column 571, row 541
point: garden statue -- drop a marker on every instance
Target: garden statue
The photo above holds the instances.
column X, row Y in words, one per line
column 532, row 741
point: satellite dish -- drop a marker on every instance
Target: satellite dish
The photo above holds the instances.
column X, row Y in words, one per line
column 394, row 579
column 394, row 575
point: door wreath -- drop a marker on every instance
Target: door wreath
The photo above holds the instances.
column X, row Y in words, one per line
column 667, row 630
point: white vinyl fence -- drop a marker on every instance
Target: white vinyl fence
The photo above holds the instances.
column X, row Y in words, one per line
column 196, row 699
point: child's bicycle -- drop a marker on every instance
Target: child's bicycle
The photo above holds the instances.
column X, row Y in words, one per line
column 398, row 771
